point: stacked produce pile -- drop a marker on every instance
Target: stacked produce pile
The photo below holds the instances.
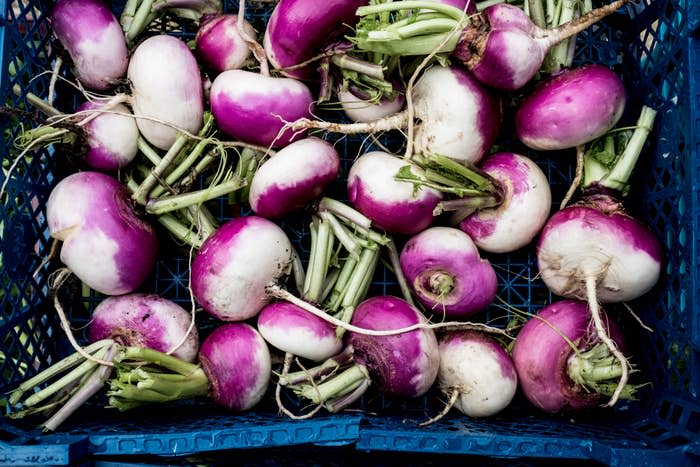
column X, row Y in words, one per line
column 168, row 126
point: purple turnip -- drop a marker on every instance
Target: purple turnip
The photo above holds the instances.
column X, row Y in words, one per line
column 145, row 320
column 255, row 108
column 291, row 329
column 91, row 34
column 298, row 30
column 105, row 243
column 220, row 44
column 561, row 362
column 293, row 177
column 443, row 268
column 236, row 263
column 593, row 250
column 501, row 46
column 392, row 205
column 571, row 108
column 401, row 365
column 523, row 209
column 234, row 372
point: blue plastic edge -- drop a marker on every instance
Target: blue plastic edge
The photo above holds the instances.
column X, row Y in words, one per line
column 693, row 15
column 694, row 125
column 59, row 450
column 527, row 447
column 337, row 429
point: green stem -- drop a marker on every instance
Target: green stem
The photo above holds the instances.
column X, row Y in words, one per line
column 347, row 239
column 148, row 151
column 180, row 231
column 438, row 26
column 394, row 260
column 341, row 284
column 422, row 45
column 326, row 368
column 63, row 365
column 619, row 176
column 188, row 160
column 141, row 195
column 537, row 13
column 468, row 205
column 173, row 203
column 46, row 134
column 127, row 16
column 461, row 173
column 447, row 10
column 349, row 63
column 344, row 211
column 41, row 104
column 203, row 163
column 139, row 21
column 160, row 359
column 334, row 386
column 318, row 265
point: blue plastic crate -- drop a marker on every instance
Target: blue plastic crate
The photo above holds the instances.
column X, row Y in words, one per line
column 651, row 44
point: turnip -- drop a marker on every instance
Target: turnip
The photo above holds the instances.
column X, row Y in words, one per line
column 571, row 108
column 231, row 271
column 105, row 129
column 561, row 362
column 593, row 250
column 255, row 108
column 476, row 372
column 523, row 208
column 234, row 371
column 220, row 45
column 360, row 107
column 456, row 117
column 145, row 320
column 298, row 30
column 501, row 46
column 293, row 177
column 401, row 365
column 166, row 90
column 296, row 331
column 393, row 205
column 443, row 267
column 112, row 137
column 105, row 243
column 92, row 36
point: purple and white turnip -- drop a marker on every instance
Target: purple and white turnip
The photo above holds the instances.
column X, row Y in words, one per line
column 298, row 30
column 145, row 320
column 256, row 108
column 220, row 45
column 166, row 90
column 401, row 365
column 443, row 267
column 235, row 265
column 105, row 244
column 91, row 34
column 522, row 210
column 455, row 116
column 501, row 46
column 571, row 108
column 393, row 205
column 476, row 372
column 293, row 177
column 562, row 364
